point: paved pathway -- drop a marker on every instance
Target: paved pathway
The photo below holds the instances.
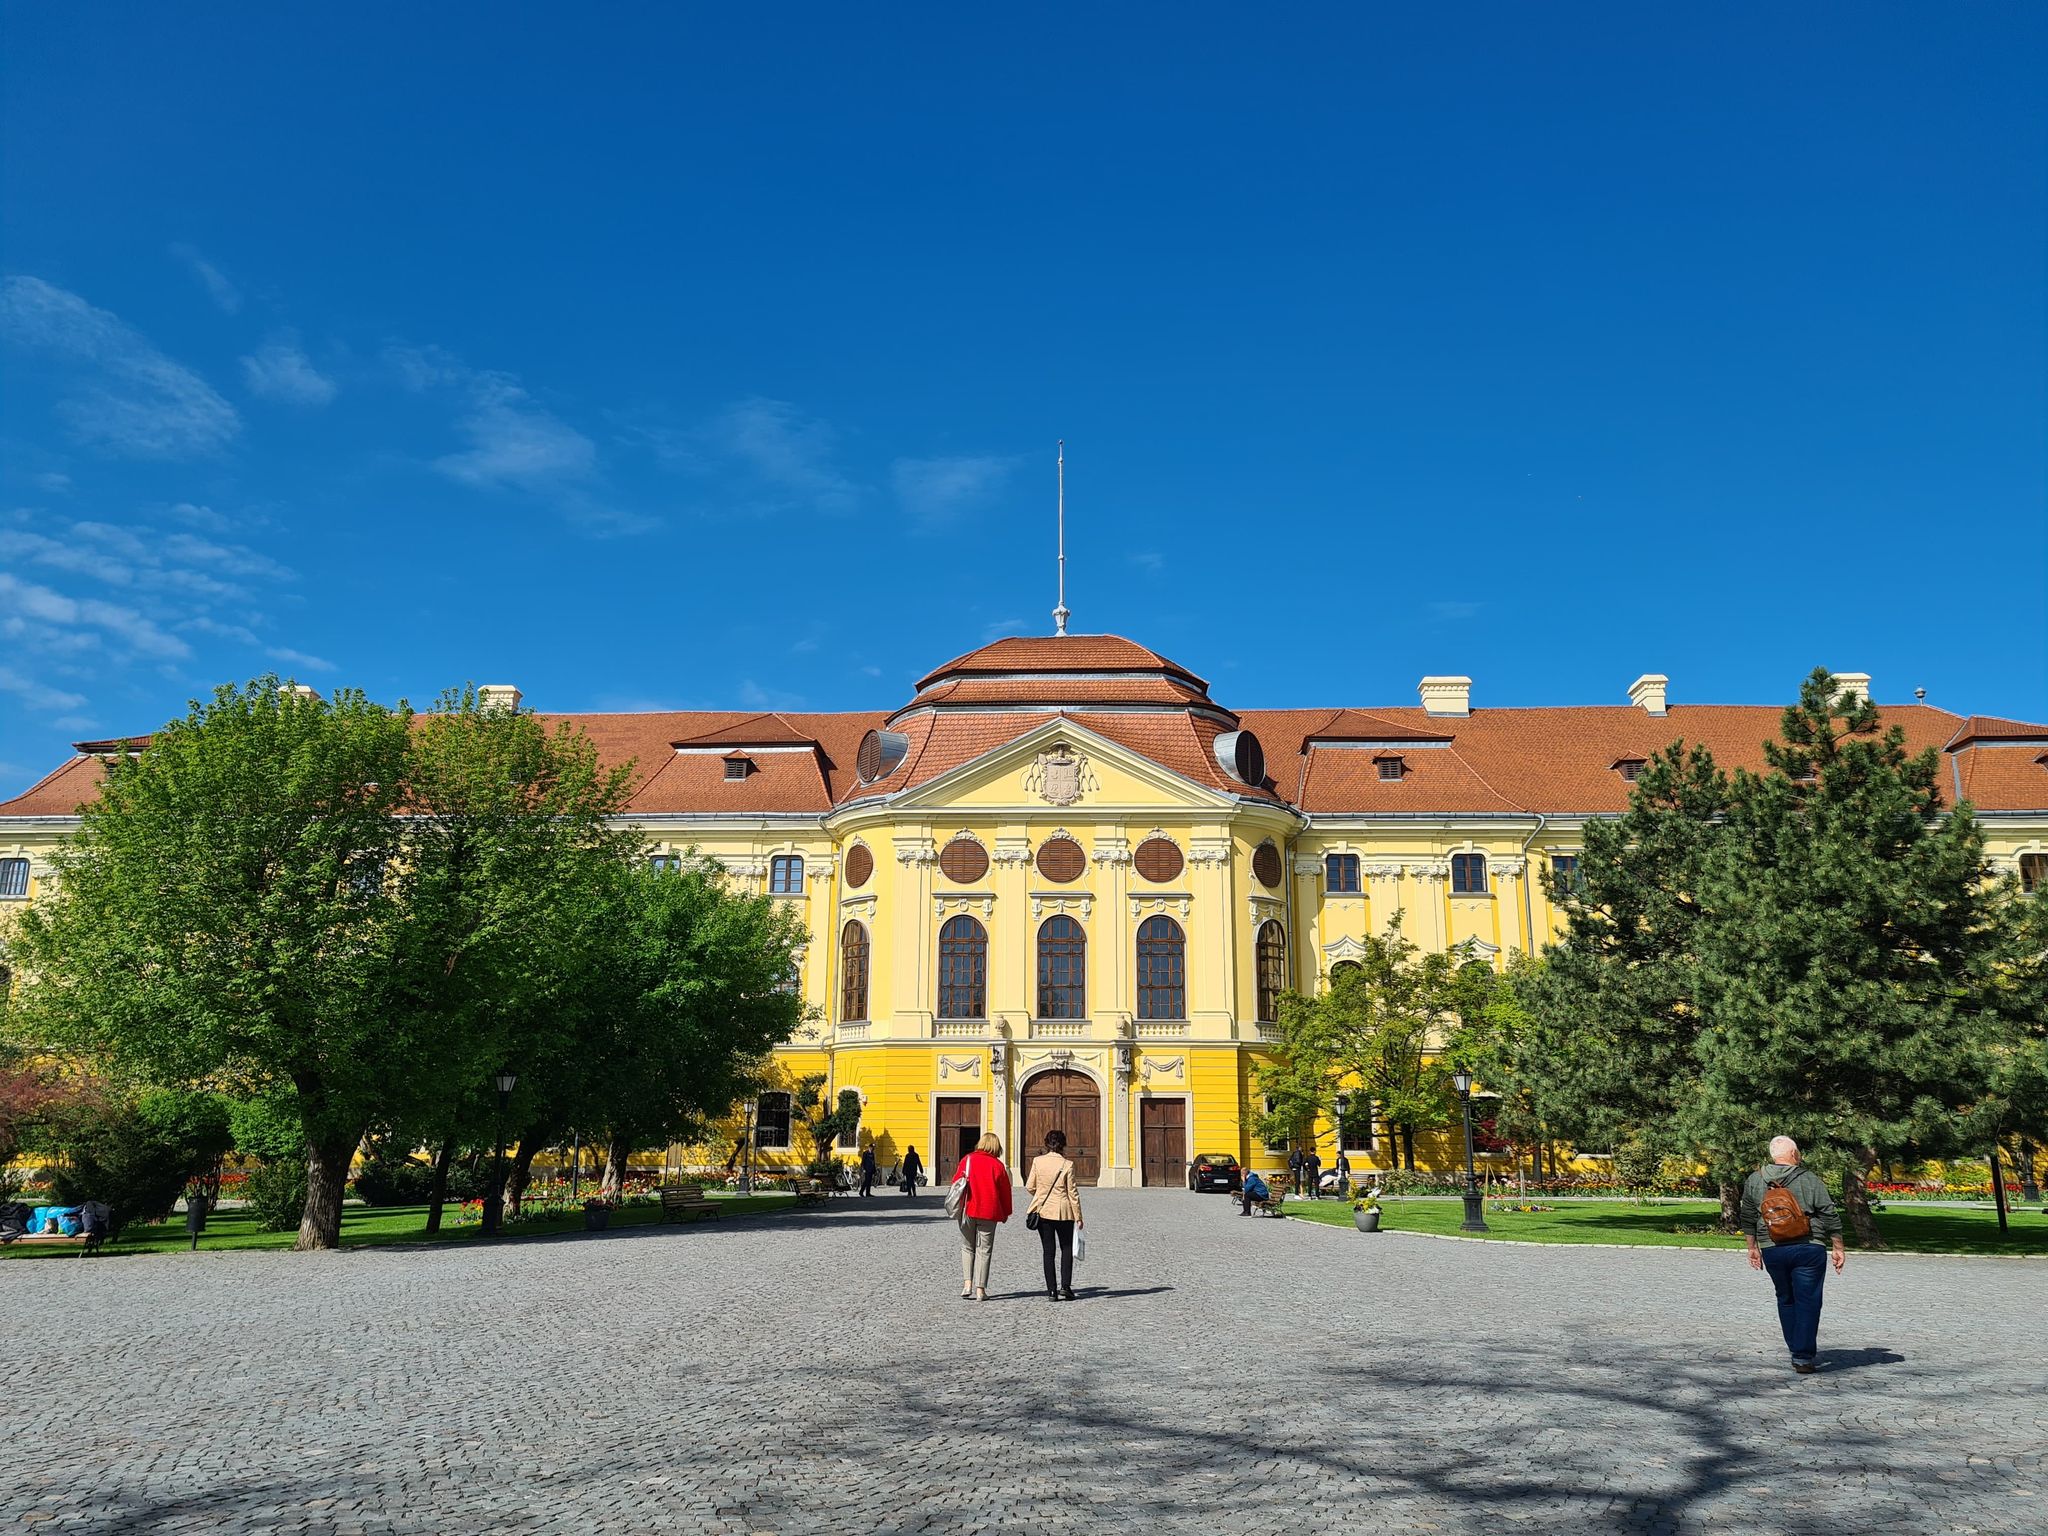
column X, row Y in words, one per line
column 817, row 1373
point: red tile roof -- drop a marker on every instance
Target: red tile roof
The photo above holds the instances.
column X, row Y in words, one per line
column 1492, row 762
column 1059, row 653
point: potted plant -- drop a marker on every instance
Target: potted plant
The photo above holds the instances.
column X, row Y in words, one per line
column 597, row 1214
column 1365, row 1212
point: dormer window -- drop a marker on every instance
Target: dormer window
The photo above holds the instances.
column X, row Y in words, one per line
column 1630, row 768
column 1392, row 768
column 737, row 767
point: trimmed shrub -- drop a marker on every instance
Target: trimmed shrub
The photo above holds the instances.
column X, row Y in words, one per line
column 276, row 1193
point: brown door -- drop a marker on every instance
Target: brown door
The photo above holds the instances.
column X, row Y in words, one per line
column 1065, row 1100
column 1163, row 1128
column 959, row 1130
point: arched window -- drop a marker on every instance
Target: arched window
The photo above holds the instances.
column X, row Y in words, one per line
column 1162, row 969
column 1344, row 968
column 853, row 972
column 963, row 969
column 1062, row 969
column 786, row 874
column 1272, row 970
column 771, row 1121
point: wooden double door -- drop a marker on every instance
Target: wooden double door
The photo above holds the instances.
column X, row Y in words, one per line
column 959, row 1128
column 1065, row 1100
column 1163, row 1142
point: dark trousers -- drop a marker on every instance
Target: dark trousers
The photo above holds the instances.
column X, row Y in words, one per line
column 910, row 1186
column 1798, row 1270
column 1060, row 1233
column 867, row 1181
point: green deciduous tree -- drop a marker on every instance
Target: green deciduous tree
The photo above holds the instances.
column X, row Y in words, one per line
column 221, row 916
column 1374, row 1032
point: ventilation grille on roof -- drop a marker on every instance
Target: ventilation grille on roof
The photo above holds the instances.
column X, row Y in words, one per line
column 1241, row 756
column 880, row 752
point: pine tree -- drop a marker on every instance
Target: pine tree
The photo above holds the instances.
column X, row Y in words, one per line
column 1848, row 953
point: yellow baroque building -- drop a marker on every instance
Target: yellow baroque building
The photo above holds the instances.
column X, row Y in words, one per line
column 1062, row 885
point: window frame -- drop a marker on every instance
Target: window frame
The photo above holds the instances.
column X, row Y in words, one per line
column 786, row 874
column 7, row 892
column 1333, row 885
column 1269, row 968
column 1161, row 976
column 1062, row 953
column 1285, row 1143
column 787, row 1116
column 665, row 863
column 1349, row 1136
column 855, row 949
column 1573, row 875
column 963, row 967
column 2039, row 861
column 1462, row 864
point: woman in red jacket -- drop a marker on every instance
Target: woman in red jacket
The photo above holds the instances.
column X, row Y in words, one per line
column 986, row 1207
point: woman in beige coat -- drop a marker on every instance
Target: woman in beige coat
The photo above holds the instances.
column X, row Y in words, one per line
column 1056, row 1201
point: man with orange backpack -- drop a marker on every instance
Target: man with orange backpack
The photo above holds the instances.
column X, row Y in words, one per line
column 1791, row 1223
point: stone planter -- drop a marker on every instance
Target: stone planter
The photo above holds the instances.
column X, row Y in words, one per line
column 1366, row 1221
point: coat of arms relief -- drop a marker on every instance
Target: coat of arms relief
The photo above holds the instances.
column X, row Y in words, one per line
column 1059, row 777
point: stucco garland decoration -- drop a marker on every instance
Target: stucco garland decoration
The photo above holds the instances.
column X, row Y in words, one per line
column 1015, row 851
column 1112, row 849
column 1166, row 1066
column 1511, row 864
column 1178, row 905
column 1381, row 870
column 1080, row 904
column 959, row 1066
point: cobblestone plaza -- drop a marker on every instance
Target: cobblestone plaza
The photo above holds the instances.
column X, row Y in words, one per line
column 817, row 1373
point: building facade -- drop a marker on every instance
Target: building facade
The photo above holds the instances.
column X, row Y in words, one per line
column 1062, row 885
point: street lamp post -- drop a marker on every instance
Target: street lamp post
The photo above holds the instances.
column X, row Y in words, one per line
column 505, row 1079
column 1343, row 1103
column 1475, row 1207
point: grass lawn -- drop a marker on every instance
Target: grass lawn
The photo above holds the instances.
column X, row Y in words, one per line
column 1907, row 1229
column 362, row 1227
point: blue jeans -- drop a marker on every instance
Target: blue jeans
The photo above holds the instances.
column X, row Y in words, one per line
column 1798, row 1270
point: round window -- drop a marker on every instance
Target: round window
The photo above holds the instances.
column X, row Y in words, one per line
column 1266, row 865
column 963, row 860
column 860, row 866
column 1060, row 860
column 1157, row 859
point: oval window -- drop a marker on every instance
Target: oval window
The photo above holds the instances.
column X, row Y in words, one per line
column 860, row 866
column 1158, row 859
column 1266, row 865
column 1060, row 860
column 963, row 860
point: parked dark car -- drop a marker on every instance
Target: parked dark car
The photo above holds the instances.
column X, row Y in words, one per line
column 1213, row 1171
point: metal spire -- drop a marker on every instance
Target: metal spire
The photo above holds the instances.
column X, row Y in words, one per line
column 1059, row 614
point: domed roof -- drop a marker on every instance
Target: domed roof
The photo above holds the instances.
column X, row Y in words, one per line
column 1027, row 654
column 1057, row 672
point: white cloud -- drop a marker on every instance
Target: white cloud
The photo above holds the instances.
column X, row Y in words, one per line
column 292, row 658
column 37, row 695
column 218, row 288
column 279, row 370
column 1150, row 561
column 773, row 457
column 515, row 442
column 57, row 612
column 936, row 492
column 200, row 517
column 1001, row 629
column 54, row 482
column 123, row 394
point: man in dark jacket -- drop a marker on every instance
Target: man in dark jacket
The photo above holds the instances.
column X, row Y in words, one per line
column 1312, row 1174
column 1798, row 1266
column 1294, row 1168
column 867, row 1170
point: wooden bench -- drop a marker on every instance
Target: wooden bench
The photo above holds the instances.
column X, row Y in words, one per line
column 1272, row 1204
column 812, row 1189
column 85, row 1242
column 681, row 1202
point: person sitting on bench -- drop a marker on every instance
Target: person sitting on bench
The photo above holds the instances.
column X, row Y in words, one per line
column 1254, row 1191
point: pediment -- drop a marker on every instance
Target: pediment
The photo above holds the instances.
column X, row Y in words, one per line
column 1059, row 767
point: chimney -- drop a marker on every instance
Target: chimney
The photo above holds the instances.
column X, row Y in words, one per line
column 1852, row 687
column 1647, row 693
column 300, row 690
column 1446, row 695
column 497, row 696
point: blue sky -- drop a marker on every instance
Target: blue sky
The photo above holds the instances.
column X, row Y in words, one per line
column 692, row 356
